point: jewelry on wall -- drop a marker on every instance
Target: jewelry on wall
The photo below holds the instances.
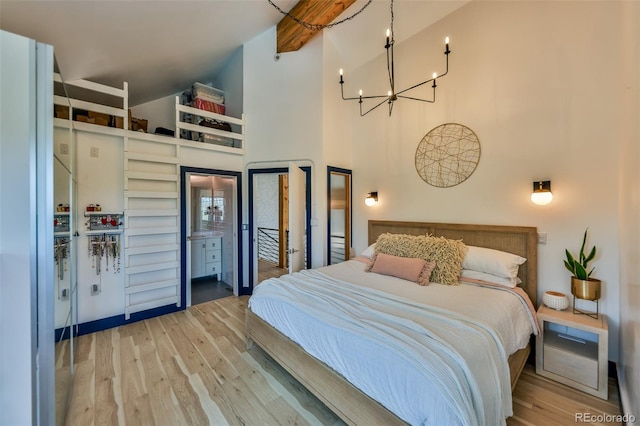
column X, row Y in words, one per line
column 60, row 254
column 104, row 245
column 103, row 237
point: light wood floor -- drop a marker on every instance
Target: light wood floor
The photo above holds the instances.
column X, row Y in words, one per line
column 192, row 368
column 269, row 270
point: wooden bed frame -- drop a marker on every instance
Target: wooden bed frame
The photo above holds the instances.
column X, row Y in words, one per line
column 344, row 399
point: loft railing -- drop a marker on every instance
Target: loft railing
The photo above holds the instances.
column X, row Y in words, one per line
column 224, row 140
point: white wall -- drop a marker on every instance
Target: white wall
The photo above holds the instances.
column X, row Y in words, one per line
column 100, row 181
column 336, row 113
column 159, row 112
column 629, row 92
column 267, row 200
column 230, row 80
column 533, row 80
column 283, row 108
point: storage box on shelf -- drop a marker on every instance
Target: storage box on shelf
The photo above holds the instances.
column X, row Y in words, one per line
column 93, row 117
column 208, row 106
column 61, row 111
column 137, row 124
column 207, row 93
column 207, row 98
column 101, row 119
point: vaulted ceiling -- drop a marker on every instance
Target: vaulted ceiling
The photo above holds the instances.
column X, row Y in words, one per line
column 161, row 47
column 158, row 47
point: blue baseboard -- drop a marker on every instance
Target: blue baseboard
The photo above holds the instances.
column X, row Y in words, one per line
column 59, row 332
column 117, row 320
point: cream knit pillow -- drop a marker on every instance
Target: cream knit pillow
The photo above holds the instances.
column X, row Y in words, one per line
column 447, row 254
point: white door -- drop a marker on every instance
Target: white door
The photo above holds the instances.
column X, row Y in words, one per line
column 297, row 226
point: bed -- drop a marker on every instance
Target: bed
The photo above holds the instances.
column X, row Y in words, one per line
column 330, row 383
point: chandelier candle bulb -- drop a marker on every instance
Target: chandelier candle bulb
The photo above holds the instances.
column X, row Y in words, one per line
column 394, row 94
column 341, row 81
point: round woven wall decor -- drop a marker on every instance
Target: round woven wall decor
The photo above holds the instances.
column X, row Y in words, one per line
column 447, row 155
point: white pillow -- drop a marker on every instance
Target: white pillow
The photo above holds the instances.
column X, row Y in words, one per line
column 494, row 262
column 368, row 252
column 494, row 279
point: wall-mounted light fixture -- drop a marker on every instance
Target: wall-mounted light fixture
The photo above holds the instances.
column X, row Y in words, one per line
column 371, row 199
column 542, row 194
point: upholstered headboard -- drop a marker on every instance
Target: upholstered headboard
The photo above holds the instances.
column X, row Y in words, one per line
column 520, row 240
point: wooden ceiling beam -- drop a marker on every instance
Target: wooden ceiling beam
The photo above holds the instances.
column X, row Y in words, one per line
column 291, row 36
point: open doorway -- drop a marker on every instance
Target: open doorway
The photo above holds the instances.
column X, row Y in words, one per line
column 210, row 210
column 272, row 219
column 272, row 224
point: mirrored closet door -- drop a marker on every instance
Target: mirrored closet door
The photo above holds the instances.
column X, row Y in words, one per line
column 338, row 215
column 65, row 249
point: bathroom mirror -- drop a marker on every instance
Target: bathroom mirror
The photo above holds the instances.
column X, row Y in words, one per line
column 338, row 214
column 203, row 213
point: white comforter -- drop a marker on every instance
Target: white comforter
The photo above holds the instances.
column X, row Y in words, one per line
column 427, row 364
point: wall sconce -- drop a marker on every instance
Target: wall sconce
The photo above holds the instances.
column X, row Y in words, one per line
column 542, row 194
column 371, row 199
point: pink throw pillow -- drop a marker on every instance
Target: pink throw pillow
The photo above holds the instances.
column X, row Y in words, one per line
column 406, row 268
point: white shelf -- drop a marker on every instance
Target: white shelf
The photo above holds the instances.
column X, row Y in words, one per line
column 108, row 228
column 102, row 213
column 104, row 231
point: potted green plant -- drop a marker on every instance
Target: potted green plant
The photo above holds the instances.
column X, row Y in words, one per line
column 582, row 285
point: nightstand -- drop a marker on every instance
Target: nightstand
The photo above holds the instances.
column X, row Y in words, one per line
column 573, row 349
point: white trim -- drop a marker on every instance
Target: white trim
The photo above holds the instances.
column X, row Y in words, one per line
column 97, row 87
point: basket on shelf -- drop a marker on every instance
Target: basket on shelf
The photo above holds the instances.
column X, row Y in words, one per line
column 555, row 300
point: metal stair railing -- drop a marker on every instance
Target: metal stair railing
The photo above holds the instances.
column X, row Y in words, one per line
column 268, row 244
column 337, row 249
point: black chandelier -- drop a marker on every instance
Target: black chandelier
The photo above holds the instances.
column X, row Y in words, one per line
column 392, row 95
